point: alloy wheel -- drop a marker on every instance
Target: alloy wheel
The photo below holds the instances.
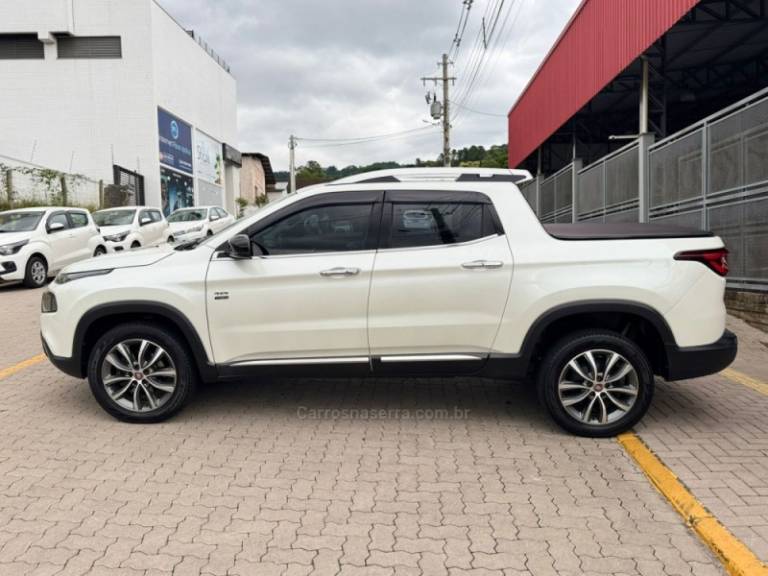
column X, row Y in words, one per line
column 139, row 375
column 598, row 387
column 38, row 272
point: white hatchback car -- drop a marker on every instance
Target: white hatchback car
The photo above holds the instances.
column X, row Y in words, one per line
column 35, row 243
column 132, row 227
column 189, row 224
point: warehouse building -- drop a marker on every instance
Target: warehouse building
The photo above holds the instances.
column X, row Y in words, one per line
column 656, row 111
column 120, row 93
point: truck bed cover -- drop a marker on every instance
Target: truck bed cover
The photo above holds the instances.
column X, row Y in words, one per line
column 621, row 231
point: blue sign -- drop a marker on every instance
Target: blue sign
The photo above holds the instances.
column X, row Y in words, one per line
column 175, row 141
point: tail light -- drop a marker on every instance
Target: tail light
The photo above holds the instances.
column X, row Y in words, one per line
column 716, row 260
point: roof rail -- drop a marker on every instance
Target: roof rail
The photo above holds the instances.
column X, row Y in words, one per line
column 461, row 174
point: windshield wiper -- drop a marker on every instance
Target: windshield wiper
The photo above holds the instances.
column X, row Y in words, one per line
column 189, row 245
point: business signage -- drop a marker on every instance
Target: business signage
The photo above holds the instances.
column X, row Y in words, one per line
column 176, row 191
column 208, row 158
column 175, row 141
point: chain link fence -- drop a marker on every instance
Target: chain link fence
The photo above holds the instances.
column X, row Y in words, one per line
column 26, row 184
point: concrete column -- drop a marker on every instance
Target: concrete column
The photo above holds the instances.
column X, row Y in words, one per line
column 578, row 164
column 643, row 177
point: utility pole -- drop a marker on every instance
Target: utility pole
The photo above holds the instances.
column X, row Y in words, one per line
column 292, row 163
column 445, row 111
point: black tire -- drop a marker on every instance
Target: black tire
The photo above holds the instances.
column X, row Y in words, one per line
column 170, row 240
column 32, row 276
column 100, row 251
column 186, row 372
column 570, row 347
column 210, row 233
column 135, row 244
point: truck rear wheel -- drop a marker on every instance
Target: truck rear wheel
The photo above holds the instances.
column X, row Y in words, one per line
column 595, row 383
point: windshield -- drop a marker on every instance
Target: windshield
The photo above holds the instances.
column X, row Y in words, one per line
column 187, row 216
column 19, row 221
column 113, row 217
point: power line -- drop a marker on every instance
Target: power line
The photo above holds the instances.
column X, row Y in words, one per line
column 466, row 6
column 468, row 109
column 427, row 130
column 354, row 139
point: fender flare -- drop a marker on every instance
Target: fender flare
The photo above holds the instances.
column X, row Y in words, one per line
column 206, row 368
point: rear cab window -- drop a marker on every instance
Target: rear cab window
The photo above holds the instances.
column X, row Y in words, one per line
column 420, row 219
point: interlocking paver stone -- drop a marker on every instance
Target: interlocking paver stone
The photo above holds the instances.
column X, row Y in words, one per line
column 243, row 482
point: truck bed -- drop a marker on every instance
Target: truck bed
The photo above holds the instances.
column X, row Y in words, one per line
column 621, row 231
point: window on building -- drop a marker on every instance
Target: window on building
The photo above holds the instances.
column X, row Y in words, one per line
column 21, row 47
column 89, row 47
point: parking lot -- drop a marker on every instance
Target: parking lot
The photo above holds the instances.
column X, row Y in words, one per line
column 450, row 476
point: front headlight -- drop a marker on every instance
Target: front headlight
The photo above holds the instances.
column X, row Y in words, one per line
column 116, row 237
column 65, row 277
column 11, row 249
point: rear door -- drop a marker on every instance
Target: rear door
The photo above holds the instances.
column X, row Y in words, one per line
column 440, row 282
column 82, row 231
column 305, row 300
column 64, row 245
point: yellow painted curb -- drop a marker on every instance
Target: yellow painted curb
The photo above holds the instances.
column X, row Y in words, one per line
column 735, row 556
column 744, row 380
column 10, row 371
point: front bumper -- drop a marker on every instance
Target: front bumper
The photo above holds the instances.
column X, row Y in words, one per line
column 70, row 366
column 11, row 269
column 697, row 361
column 115, row 247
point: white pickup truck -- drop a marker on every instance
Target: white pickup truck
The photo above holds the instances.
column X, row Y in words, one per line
column 401, row 272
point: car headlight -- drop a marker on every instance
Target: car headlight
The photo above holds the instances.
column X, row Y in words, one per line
column 65, row 277
column 116, row 237
column 10, row 249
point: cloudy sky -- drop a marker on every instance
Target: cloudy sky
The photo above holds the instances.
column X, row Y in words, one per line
column 352, row 68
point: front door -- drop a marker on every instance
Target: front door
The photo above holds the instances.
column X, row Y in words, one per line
column 440, row 282
column 305, row 299
column 63, row 241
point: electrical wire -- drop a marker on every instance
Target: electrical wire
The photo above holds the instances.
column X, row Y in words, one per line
column 333, row 143
column 468, row 109
column 355, row 139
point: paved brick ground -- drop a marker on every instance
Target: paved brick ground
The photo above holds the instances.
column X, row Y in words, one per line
column 713, row 433
column 247, row 481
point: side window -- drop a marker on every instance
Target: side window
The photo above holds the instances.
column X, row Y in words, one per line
column 213, row 214
column 330, row 228
column 439, row 223
column 78, row 219
column 143, row 215
column 156, row 216
column 221, row 212
column 56, row 219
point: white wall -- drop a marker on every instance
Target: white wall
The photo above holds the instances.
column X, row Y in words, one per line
column 79, row 114
column 191, row 85
column 85, row 113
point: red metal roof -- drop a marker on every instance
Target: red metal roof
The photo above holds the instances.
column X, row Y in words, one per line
column 601, row 40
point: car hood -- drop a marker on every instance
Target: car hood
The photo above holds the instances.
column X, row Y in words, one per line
column 13, row 237
column 112, row 230
column 132, row 259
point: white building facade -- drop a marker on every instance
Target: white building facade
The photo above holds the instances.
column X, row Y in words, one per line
column 118, row 91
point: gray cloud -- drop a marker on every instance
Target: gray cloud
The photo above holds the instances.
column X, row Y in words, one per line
column 348, row 68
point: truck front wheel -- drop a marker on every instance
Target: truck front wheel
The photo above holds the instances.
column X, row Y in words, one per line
column 595, row 383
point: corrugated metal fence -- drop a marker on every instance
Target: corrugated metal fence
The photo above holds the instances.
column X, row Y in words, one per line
column 712, row 175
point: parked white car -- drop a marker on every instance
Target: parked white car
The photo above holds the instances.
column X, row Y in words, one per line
column 189, row 224
column 402, row 272
column 132, row 227
column 35, row 243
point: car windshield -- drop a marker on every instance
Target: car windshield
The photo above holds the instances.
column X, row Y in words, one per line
column 19, row 221
column 113, row 217
column 187, row 216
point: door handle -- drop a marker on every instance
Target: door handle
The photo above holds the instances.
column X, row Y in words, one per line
column 482, row 264
column 340, row 271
